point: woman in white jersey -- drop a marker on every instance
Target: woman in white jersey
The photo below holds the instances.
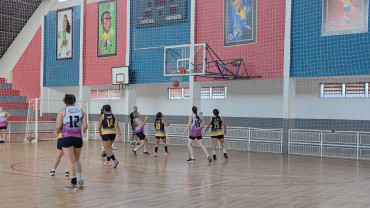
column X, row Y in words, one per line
column 139, row 130
column 71, row 121
column 197, row 123
column 3, row 123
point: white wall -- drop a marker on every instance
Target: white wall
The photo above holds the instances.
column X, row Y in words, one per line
column 250, row 98
column 310, row 105
column 244, row 99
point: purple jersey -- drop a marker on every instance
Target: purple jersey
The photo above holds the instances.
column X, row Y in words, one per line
column 138, row 127
column 72, row 122
column 196, row 130
column 3, row 120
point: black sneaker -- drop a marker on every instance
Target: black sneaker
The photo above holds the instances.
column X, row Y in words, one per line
column 190, row 160
column 133, row 152
column 225, row 156
column 209, row 159
column 104, row 155
column 67, row 173
column 214, row 157
column 146, row 153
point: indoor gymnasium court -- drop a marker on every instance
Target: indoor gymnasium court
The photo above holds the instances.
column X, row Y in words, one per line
column 224, row 103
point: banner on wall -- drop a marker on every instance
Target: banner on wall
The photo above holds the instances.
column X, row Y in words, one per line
column 240, row 22
column 107, row 28
column 344, row 17
column 64, row 34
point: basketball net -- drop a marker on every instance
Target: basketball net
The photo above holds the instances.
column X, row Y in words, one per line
column 177, row 74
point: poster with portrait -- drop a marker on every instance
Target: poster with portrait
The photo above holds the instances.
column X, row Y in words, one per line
column 64, row 30
column 344, row 17
column 107, row 28
column 240, row 22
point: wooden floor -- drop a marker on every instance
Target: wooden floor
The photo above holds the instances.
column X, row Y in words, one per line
column 245, row 180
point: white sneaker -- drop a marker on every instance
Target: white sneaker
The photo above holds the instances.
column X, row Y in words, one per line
column 80, row 183
column 114, row 147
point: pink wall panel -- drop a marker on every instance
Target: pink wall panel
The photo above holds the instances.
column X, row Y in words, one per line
column 97, row 71
column 265, row 57
column 26, row 73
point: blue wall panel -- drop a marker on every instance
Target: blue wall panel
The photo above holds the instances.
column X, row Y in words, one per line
column 313, row 55
column 61, row 72
column 146, row 65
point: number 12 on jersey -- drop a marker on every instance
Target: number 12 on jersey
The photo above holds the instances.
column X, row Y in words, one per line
column 74, row 124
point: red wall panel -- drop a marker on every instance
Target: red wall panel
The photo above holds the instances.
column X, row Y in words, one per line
column 265, row 57
column 26, row 73
column 97, row 71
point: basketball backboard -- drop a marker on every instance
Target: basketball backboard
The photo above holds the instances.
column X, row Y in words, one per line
column 188, row 58
column 120, row 75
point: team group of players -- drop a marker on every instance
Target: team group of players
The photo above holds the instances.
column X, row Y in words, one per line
column 71, row 123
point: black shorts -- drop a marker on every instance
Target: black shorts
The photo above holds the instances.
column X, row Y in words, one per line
column 59, row 144
column 193, row 138
column 141, row 135
column 217, row 137
column 71, row 141
column 106, row 137
column 160, row 137
column 3, row 127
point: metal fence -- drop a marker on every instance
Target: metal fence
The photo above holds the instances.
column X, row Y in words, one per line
column 237, row 138
column 323, row 143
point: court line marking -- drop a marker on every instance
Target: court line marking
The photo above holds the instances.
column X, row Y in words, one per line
column 170, row 192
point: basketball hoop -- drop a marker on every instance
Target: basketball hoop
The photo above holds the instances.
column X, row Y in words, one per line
column 176, row 74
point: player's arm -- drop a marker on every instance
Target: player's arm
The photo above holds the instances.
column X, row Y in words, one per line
column 117, row 127
column 165, row 123
column 140, row 122
column 223, row 124
column 189, row 123
column 84, row 122
column 101, row 124
column 59, row 121
column 145, row 119
column 202, row 121
column 7, row 114
column 208, row 125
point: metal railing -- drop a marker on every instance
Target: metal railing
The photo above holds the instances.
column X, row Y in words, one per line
column 325, row 143
column 237, row 138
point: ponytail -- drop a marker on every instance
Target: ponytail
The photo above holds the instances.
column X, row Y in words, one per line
column 195, row 111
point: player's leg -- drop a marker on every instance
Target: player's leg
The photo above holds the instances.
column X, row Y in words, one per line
column 57, row 158
column 69, row 155
column 146, row 146
column 204, row 148
column 190, row 147
column 132, row 138
column 214, row 144
column 77, row 153
column 137, row 139
column 142, row 142
column 165, row 146
column 108, row 149
column 115, row 161
column 222, row 142
column 156, row 145
column 3, row 136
